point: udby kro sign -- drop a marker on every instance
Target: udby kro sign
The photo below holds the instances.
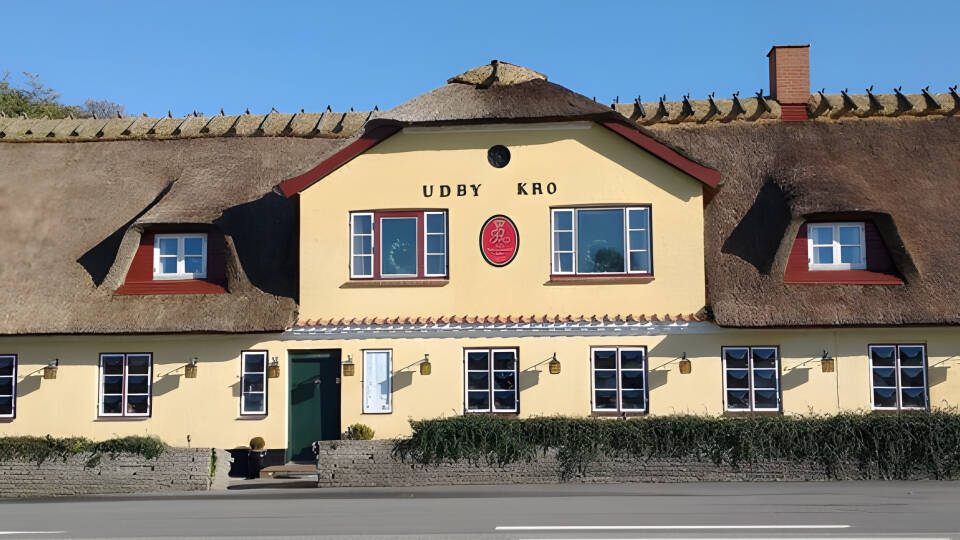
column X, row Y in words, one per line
column 499, row 240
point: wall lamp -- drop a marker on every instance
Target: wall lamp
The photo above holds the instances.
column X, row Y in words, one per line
column 348, row 367
column 554, row 365
column 50, row 370
column 273, row 369
column 827, row 364
column 190, row 369
column 425, row 367
column 685, row 365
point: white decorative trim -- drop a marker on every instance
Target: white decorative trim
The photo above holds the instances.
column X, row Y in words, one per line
column 466, row 330
column 539, row 126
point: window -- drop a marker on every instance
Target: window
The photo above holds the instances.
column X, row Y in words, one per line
column 491, row 380
column 751, row 378
column 387, row 245
column 125, row 384
column 8, row 385
column 836, row 246
column 619, row 379
column 601, row 240
column 898, row 374
column 253, row 382
column 180, row 256
column 377, row 381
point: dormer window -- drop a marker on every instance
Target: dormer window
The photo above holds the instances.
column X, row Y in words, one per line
column 836, row 246
column 180, row 256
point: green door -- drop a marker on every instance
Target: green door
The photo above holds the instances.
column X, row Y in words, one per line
column 314, row 401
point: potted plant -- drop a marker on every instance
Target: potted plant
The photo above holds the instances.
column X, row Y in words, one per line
column 255, row 457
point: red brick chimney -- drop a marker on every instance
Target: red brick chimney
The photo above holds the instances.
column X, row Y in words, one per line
column 790, row 80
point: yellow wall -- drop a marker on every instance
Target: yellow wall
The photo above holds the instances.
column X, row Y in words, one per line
column 589, row 166
column 206, row 408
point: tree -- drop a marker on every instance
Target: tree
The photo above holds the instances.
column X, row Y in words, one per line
column 36, row 100
column 103, row 108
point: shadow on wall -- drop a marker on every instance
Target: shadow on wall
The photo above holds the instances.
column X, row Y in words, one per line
column 264, row 233
column 757, row 237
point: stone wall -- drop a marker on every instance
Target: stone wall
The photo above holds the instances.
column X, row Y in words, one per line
column 370, row 464
column 176, row 469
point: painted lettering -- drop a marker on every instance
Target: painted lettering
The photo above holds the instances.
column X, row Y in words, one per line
column 444, row 191
column 535, row 189
column 551, row 188
column 427, row 193
column 476, row 189
column 461, row 190
column 522, row 188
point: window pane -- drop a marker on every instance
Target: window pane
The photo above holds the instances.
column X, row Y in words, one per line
column 434, row 223
column 563, row 241
column 435, row 243
column 112, row 364
column 398, row 246
column 639, row 218
column 765, row 399
column 477, row 360
column 823, row 255
column 639, row 240
column 504, row 380
column 911, row 376
column 6, row 365
column 113, row 384
column 735, row 358
column 376, row 381
column 362, row 224
column 193, row 246
column 639, row 261
column 564, row 262
column 631, row 359
column 168, row 265
column 253, row 383
column 764, row 358
column 850, row 254
column 193, row 265
column 138, row 363
column 849, row 235
column 884, row 377
column 884, row 397
column 764, row 378
column 600, row 241
column 436, row 265
column 605, row 379
column 606, row 399
column 6, row 386
column 504, row 360
column 604, row 359
column 112, row 404
column 6, row 405
column 168, row 246
column 883, row 356
column 253, row 403
column 738, row 399
column 363, row 266
column 137, row 404
column 137, row 385
column 633, row 399
column 737, row 378
column 913, row 397
column 823, row 235
column 478, row 381
column 505, row 400
column 254, row 363
column 631, row 379
column 362, row 245
column 478, row 400
column 911, row 356
column 563, row 220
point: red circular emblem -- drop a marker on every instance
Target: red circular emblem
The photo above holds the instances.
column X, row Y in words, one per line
column 499, row 240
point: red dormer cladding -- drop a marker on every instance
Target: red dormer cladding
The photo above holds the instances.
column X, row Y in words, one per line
column 140, row 278
column 880, row 267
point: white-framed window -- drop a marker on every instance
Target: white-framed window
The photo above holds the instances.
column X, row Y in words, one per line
column 619, row 379
column 490, row 377
column 898, row 377
column 8, row 385
column 253, row 382
column 377, row 381
column 180, row 256
column 398, row 244
column 591, row 241
column 125, row 383
column 836, row 246
column 751, row 378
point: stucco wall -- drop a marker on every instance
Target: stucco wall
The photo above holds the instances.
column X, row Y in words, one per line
column 590, row 166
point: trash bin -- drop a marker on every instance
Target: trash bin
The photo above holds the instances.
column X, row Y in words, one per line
column 255, row 463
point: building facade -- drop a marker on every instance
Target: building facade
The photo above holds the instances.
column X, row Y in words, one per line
column 500, row 245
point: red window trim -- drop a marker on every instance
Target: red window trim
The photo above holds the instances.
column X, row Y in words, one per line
column 420, row 215
column 880, row 269
column 139, row 279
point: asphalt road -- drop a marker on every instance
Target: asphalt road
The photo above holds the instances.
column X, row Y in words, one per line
column 733, row 510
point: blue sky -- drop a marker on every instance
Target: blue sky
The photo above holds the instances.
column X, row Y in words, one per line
column 181, row 56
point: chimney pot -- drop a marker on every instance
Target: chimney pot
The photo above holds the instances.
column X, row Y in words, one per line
column 790, row 80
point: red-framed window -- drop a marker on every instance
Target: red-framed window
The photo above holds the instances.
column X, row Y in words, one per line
column 398, row 245
column 125, row 384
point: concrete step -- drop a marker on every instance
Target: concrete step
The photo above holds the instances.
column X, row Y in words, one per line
column 290, row 470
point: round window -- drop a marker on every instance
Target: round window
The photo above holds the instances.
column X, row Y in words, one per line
column 498, row 156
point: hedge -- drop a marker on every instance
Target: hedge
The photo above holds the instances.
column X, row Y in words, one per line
column 895, row 446
column 40, row 449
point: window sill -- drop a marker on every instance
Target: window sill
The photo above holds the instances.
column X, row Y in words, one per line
column 751, row 414
column 600, row 279
column 615, row 414
column 387, row 283
column 170, row 286
column 496, row 414
column 842, row 277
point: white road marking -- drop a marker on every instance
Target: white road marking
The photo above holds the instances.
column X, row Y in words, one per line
column 660, row 527
column 32, row 532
